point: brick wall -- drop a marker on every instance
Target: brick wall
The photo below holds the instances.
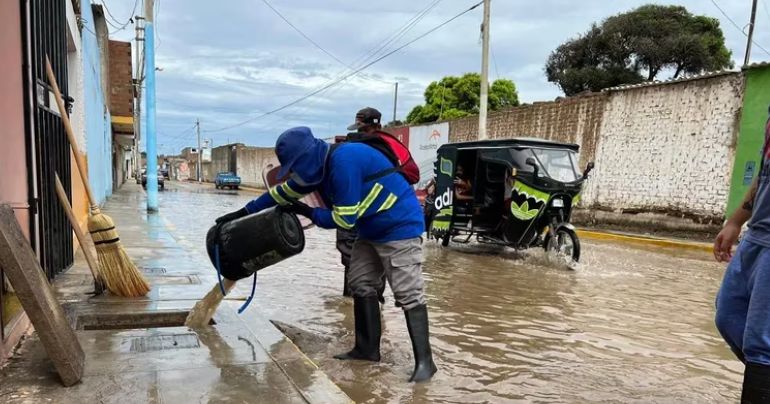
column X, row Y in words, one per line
column 571, row 120
column 121, row 85
column 668, row 148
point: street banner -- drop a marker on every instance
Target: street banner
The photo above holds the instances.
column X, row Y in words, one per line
column 424, row 141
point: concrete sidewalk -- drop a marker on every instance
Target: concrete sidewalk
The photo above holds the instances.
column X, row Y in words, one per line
column 138, row 351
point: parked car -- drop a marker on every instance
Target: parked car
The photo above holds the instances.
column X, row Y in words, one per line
column 161, row 180
column 225, row 179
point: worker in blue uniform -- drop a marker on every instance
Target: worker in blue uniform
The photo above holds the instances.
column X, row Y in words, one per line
column 362, row 191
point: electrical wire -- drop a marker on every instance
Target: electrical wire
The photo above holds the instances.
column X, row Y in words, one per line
column 494, row 61
column 346, row 76
column 364, row 58
column 314, row 43
column 117, row 22
column 377, row 49
column 738, row 27
column 385, row 46
column 374, row 51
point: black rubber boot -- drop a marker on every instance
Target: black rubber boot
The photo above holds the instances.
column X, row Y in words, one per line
column 417, row 323
column 366, row 311
column 756, row 384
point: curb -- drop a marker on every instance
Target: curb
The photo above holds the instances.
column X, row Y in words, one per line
column 648, row 241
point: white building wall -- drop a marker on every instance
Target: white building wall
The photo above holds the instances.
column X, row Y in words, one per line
column 75, row 82
column 668, row 148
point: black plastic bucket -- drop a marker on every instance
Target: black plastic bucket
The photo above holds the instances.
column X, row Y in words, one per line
column 254, row 242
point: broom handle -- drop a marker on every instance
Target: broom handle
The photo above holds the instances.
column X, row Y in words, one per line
column 75, row 226
column 70, row 133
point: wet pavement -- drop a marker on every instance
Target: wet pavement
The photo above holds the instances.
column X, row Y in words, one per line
column 630, row 324
column 627, row 325
column 138, row 350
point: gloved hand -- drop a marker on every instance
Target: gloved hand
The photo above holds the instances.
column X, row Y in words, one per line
column 299, row 208
column 232, row 216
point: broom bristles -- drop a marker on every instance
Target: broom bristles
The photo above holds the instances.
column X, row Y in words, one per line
column 120, row 275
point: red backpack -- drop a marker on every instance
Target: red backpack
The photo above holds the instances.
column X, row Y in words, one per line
column 395, row 151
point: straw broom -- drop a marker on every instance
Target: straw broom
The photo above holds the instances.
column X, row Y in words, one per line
column 120, row 275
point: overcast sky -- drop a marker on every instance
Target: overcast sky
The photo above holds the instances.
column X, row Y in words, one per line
column 225, row 62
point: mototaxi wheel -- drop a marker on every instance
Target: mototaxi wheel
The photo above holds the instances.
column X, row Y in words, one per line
column 565, row 244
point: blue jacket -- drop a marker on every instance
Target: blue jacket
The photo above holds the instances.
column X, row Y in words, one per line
column 381, row 210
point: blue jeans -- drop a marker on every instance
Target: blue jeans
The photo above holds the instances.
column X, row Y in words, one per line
column 743, row 303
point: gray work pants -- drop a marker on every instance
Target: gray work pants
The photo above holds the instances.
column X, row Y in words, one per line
column 345, row 241
column 399, row 261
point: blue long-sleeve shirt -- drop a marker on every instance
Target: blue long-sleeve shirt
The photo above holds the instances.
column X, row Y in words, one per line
column 384, row 209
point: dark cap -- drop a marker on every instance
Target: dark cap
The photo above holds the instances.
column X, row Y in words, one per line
column 365, row 117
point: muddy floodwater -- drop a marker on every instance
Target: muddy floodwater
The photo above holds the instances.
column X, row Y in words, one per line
column 627, row 325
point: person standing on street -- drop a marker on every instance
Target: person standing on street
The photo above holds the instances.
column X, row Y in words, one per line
column 361, row 188
column 743, row 301
column 367, row 123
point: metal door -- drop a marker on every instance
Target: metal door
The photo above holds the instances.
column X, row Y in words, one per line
column 47, row 35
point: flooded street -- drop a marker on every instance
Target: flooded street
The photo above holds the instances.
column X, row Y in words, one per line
column 628, row 325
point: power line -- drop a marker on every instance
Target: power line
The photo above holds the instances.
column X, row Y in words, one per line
column 494, row 61
column 398, row 34
column 324, row 88
column 181, row 135
column 738, row 27
column 377, row 49
column 309, row 39
column 117, row 22
column 368, row 55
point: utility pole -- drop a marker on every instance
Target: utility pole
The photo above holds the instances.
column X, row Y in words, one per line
column 395, row 103
column 152, row 138
column 484, row 73
column 200, row 151
column 138, row 88
column 750, row 40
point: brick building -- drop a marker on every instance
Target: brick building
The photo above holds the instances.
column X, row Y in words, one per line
column 121, row 98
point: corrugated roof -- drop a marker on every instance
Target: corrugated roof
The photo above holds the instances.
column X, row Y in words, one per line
column 703, row 76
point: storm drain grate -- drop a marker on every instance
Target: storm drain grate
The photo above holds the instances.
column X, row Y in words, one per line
column 162, row 342
column 153, row 270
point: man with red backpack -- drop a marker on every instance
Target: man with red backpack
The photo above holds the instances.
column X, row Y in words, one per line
column 368, row 126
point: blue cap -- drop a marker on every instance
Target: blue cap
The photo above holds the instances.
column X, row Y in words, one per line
column 299, row 151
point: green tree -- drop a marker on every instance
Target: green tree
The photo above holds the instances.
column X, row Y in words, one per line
column 630, row 47
column 456, row 97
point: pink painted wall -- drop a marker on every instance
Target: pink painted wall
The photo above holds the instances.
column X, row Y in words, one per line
column 13, row 154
